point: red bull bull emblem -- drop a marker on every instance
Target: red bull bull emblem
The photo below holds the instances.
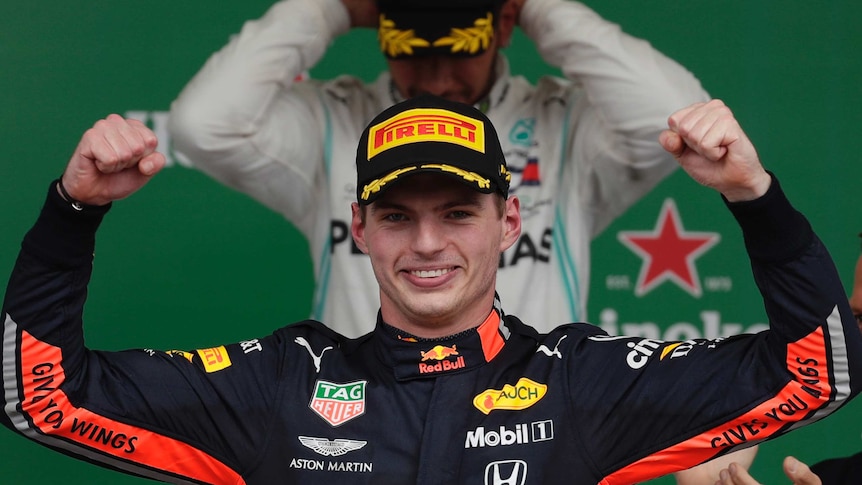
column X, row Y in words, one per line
column 441, row 354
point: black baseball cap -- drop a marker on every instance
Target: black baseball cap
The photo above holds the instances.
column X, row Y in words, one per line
column 430, row 134
column 461, row 28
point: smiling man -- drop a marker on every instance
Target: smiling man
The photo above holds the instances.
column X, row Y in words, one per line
column 447, row 389
column 433, row 253
column 434, row 245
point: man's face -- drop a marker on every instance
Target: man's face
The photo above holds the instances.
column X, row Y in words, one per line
column 462, row 79
column 856, row 295
column 435, row 244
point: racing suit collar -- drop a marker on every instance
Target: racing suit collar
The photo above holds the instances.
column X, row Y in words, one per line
column 414, row 358
column 495, row 95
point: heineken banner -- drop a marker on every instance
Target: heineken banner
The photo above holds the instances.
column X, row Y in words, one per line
column 189, row 264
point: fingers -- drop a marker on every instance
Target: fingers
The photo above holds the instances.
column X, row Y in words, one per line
column 672, row 143
column 115, row 144
column 795, row 470
column 114, row 158
column 735, row 474
column 715, row 151
column 707, row 128
column 152, row 164
column 799, row 472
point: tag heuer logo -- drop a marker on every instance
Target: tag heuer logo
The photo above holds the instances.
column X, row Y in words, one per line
column 338, row 403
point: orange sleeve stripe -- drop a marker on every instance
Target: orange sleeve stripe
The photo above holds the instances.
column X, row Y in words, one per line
column 797, row 401
column 51, row 413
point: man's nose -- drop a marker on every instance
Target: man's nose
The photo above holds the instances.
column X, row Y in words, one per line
column 437, row 76
column 429, row 238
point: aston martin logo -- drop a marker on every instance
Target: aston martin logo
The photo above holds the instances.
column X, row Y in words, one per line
column 327, row 447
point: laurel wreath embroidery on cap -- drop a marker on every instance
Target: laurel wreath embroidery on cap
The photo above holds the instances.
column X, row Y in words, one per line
column 470, row 39
column 467, row 175
column 375, row 185
column 394, row 41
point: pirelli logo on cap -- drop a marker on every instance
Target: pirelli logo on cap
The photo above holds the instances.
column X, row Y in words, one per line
column 426, row 124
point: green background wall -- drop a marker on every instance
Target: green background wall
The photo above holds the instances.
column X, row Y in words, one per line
column 187, row 263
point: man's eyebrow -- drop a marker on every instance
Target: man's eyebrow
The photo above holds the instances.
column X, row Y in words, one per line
column 381, row 205
column 468, row 200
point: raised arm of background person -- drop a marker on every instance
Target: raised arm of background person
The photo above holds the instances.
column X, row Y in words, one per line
column 628, row 89
column 240, row 119
column 800, row 370
column 796, row 471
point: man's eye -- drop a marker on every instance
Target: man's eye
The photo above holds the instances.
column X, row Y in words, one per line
column 459, row 214
column 394, row 217
column 858, row 317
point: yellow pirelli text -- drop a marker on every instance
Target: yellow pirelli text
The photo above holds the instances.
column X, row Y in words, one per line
column 423, row 125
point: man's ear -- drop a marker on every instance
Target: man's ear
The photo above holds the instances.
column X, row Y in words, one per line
column 511, row 223
column 506, row 23
column 357, row 227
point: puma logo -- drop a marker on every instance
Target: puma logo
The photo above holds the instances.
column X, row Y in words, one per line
column 552, row 353
column 314, row 358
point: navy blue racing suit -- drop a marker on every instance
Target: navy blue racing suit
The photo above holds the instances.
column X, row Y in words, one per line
column 497, row 404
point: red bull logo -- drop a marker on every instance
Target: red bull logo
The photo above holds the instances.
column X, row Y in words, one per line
column 439, row 352
column 439, row 356
column 426, row 124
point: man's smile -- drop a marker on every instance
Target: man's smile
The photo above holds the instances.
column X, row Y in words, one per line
column 430, row 273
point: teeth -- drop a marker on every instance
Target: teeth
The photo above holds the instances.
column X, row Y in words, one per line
column 430, row 274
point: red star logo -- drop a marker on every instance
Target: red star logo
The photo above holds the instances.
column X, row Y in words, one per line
column 668, row 252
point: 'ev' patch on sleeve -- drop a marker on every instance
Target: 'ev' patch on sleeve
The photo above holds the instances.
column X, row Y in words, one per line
column 214, row 359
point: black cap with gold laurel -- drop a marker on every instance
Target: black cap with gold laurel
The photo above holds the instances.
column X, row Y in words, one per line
column 430, row 134
column 461, row 28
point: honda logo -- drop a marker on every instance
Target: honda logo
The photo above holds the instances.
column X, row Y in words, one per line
column 508, row 472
